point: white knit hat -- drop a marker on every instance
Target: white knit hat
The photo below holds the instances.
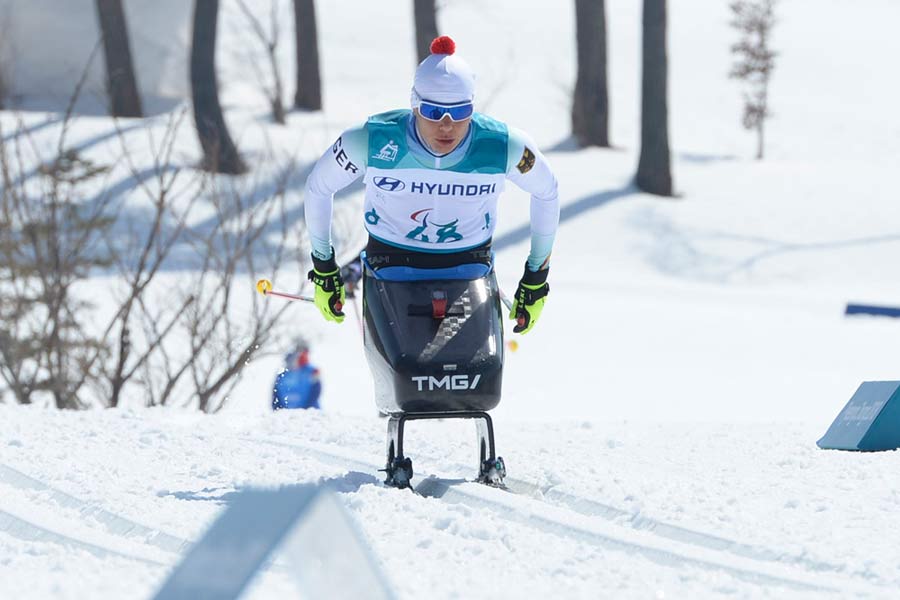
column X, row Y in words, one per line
column 442, row 76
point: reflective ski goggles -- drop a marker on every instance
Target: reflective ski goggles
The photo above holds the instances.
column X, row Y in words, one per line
column 433, row 111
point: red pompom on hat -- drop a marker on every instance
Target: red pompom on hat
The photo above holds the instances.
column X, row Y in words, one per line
column 443, row 45
column 443, row 76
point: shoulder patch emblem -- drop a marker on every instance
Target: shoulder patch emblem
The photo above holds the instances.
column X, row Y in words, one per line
column 388, row 152
column 526, row 162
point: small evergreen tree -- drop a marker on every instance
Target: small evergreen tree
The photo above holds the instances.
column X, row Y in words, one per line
column 755, row 61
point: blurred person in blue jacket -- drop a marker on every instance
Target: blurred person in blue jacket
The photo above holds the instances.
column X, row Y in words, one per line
column 298, row 385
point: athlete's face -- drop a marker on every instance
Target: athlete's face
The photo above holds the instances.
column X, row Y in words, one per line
column 444, row 135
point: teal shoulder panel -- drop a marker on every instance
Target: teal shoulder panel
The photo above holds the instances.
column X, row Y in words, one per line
column 387, row 138
column 489, row 148
column 487, row 123
column 355, row 142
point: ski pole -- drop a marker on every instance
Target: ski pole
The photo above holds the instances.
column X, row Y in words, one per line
column 264, row 287
column 513, row 345
column 358, row 316
column 505, row 300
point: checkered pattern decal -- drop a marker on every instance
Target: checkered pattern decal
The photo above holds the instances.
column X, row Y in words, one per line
column 449, row 326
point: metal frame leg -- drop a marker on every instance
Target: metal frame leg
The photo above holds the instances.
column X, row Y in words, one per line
column 394, row 439
column 491, row 468
column 484, row 430
column 398, row 467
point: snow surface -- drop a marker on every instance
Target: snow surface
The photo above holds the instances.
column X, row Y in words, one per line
column 659, row 424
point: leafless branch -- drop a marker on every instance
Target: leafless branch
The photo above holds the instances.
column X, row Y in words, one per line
column 269, row 41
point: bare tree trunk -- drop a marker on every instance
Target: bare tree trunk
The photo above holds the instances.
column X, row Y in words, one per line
column 654, row 172
column 760, row 140
column 121, row 85
column 309, row 87
column 590, row 106
column 278, row 113
column 426, row 26
column 219, row 153
column 763, row 96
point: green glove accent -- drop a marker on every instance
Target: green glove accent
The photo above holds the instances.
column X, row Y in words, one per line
column 330, row 294
column 528, row 304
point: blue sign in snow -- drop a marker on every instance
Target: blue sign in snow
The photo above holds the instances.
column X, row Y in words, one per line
column 870, row 421
column 873, row 310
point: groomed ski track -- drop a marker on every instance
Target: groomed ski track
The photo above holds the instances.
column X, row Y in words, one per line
column 114, row 536
column 101, row 532
column 572, row 517
column 113, row 524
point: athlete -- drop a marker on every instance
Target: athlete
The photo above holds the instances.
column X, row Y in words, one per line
column 433, row 175
column 298, row 385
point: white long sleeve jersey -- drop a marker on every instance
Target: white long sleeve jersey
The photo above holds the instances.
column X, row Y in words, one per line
column 428, row 203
